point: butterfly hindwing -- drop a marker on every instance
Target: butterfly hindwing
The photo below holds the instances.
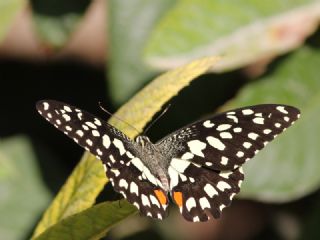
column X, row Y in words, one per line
column 206, row 192
column 124, row 168
column 151, row 200
column 227, row 140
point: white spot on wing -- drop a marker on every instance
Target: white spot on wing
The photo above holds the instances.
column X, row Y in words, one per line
column 247, row 145
column 196, row 147
column 79, row 115
column 45, row 106
column 196, row 219
column 95, row 133
column 247, row 111
column 210, row 190
column 253, row 136
column 209, row 163
column 208, row 124
column 134, row 188
column 223, row 127
column 118, row 144
column 267, row 131
column 85, row 127
column 282, row 109
column 240, row 154
column 258, row 120
column 106, row 141
column 117, row 173
column 225, row 174
column 67, row 108
column 89, row 142
column 123, row 183
column 66, row 117
column 145, row 200
column 277, row 125
column 129, row 154
column 79, row 133
column 190, row 203
column 136, row 205
column 154, row 201
column 224, row 160
column 112, row 158
column 226, row 135
column 216, row 143
column 234, row 118
column 90, row 124
column 204, row 203
column 97, row 122
column 187, row 156
column 99, row 152
column 137, row 163
column 222, row 206
column 237, row 129
column 179, row 164
column 174, row 177
column 223, row 185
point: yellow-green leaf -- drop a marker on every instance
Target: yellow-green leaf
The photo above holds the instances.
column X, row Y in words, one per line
column 92, row 223
column 78, row 193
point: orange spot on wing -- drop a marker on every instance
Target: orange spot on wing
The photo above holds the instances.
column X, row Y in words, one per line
column 161, row 196
column 177, row 196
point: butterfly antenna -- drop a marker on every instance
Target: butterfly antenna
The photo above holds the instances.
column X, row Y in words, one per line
column 113, row 115
column 158, row 117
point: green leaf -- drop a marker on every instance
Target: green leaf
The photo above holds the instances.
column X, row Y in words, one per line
column 22, row 193
column 288, row 168
column 92, row 223
column 241, row 31
column 88, row 178
column 130, row 23
column 8, row 11
column 55, row 21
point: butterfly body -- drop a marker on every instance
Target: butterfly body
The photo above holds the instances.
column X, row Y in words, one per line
column 199, row 165
column 155, row 160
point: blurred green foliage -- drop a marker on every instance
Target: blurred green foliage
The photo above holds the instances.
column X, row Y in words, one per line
column 23, row 195
column 147, row 37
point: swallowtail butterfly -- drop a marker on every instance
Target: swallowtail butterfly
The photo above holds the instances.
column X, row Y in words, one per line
column 199, row 166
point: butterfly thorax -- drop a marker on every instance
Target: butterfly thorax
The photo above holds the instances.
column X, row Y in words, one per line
column 155, row 160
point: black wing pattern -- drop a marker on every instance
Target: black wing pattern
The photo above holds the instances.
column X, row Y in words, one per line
column 206, row 156
column 126, row 172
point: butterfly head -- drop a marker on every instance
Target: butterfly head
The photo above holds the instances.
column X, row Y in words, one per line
column 143, row 141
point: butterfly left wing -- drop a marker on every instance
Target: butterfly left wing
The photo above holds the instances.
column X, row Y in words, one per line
column 123, row 166
column 205, row 157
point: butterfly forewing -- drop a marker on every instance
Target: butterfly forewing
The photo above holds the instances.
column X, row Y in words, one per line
column 115, row 150
column 227, row 140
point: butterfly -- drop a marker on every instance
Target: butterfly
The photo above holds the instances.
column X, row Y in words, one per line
column 198, row 167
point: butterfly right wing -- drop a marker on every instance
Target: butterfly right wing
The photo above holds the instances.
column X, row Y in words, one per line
column 128, row 175
column 205, row 157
